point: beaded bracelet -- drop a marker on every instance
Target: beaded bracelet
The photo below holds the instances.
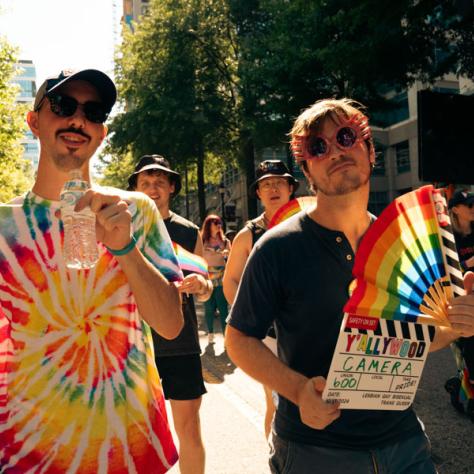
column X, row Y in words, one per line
column 128, row 248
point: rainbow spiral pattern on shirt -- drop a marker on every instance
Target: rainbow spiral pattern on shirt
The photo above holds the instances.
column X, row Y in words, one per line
column 79, row 390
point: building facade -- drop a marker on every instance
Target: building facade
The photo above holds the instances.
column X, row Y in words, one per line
column 26, row 79
column 133, row 10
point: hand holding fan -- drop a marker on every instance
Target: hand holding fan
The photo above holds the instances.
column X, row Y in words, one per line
column 406, row 267
column 291, row 208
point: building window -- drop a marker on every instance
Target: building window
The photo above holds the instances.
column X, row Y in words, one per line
column 402, row 153
column 395, row 111
column 28, row 88
column 378, row 201
column 28, row 71
column 30, row 148
column 379, row 168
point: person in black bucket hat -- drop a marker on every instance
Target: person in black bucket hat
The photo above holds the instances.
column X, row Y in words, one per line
column 178, row 360
column 159, row 163
column 272, row 169
column 274, row 186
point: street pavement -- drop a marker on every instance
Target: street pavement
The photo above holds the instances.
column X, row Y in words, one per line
column 232, row 415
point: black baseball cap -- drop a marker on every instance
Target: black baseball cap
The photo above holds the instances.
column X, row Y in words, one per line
column 104, row 85
column 272, row 169
column 155, row 162
column 461, row 197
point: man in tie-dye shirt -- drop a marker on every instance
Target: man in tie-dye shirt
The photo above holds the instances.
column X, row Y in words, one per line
column 79, row 390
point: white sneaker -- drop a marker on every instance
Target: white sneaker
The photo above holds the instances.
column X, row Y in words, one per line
column 210, row 338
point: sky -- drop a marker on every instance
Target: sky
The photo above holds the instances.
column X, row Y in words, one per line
column 62, row 34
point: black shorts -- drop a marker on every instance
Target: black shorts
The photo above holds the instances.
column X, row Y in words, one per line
column 181, row 376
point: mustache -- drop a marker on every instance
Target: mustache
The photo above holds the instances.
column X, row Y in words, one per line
column 341, row 161
column 78, row 131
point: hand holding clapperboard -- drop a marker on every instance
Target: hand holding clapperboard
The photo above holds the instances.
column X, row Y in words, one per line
column 406, row 270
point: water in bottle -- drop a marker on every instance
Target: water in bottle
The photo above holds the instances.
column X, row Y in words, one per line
column 80, row 243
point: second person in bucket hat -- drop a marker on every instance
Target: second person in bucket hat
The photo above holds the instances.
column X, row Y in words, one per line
column 178, row 360
column 274, row 186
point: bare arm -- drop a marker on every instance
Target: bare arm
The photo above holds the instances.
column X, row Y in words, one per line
column 238, row 256
column 461, row 317
column 254, row 358
column 158, row 301
column 194, row 283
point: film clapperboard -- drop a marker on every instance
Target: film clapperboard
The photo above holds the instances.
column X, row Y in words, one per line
column 378, row 363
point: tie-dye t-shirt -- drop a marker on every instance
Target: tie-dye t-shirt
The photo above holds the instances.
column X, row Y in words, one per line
column 79, row 389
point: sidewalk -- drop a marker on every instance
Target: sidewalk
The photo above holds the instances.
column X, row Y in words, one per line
column 231, row 412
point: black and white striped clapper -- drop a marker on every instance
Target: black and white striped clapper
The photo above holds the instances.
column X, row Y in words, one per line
column 398, row 330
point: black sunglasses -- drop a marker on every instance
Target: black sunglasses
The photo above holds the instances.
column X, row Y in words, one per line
column 65, row 106
column 216, row 221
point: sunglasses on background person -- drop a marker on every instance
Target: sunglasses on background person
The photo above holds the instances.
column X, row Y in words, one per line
column 349, row 134
column 216, row 221
column 65, row 106
column 271, row 183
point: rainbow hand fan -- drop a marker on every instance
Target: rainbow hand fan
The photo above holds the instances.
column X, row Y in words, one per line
column 190, row 261
column 407, row 267
column 291, row 208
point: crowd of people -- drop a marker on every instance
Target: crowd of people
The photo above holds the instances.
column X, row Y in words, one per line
column 88, row 357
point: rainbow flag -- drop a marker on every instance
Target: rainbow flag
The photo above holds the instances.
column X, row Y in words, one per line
column 291, row 208
column 466, row 392
column 190, row 261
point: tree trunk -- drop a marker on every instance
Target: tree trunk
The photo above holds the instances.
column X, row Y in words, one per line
column 248, row 153
column 200, row 181
column 186, row 188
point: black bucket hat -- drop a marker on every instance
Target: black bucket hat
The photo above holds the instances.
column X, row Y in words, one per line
column 155, row 162
column 461, row 197
column 272, row 169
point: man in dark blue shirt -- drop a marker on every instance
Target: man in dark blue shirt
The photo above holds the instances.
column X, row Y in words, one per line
column 297, row 278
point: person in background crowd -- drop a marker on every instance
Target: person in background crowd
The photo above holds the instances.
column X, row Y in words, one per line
column 230, row 234
column 179, row 361
column 274, row 186
column 461, row 207
column 297, row 278
column 216, row 251
column 79, row 391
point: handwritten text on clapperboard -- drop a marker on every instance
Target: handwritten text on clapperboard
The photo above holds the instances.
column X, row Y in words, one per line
column 377, row 363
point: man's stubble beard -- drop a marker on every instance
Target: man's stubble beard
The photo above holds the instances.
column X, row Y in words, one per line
column 347, row 186
column 68, row 162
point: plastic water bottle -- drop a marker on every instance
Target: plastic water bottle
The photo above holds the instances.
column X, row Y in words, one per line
column 80, row 242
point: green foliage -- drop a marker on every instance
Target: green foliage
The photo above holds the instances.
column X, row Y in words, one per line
column 296, row 52
column 206, row 81
column 115, row 168
column 15, row 172
column 175, row 75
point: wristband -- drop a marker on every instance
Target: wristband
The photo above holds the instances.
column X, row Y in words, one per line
column 128, row 248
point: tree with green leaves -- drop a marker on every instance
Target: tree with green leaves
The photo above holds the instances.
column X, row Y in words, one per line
column 228, row 76
column 15, row 172
column 176, row 76
column 294, row 53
